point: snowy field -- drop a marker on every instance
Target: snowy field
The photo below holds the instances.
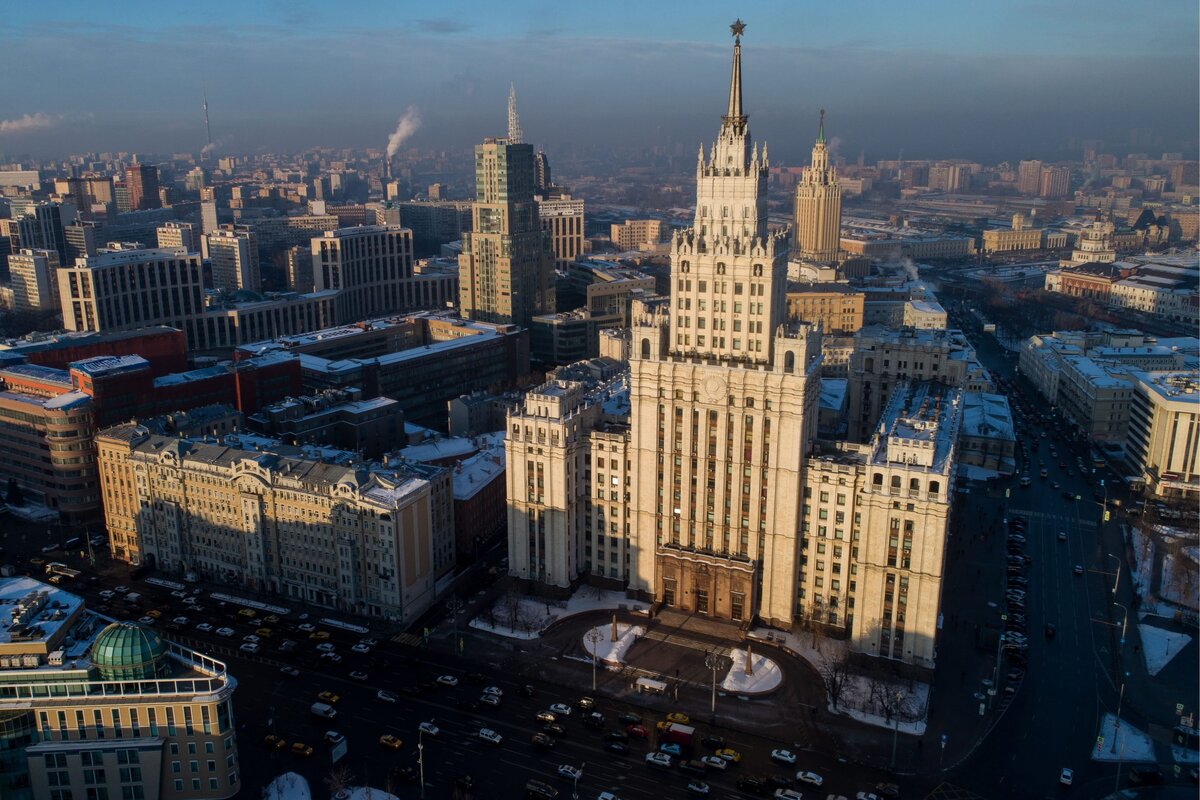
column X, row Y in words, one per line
column 526, row 617
column 607, row 649
column 1160, row 646
column 1132, row 744
column 288, row 786
column 765, row 674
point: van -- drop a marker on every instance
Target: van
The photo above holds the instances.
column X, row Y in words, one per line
column 323, row 710
column 540, row 790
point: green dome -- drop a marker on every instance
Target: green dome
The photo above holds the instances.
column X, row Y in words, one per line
column 128, row 651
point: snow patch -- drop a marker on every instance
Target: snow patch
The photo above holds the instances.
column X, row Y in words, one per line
column 288, row 786
column 765, row 674
column 608, row 650
column 364, row 793
column 526, row 617
column 1131, row 744
column 1160, row 646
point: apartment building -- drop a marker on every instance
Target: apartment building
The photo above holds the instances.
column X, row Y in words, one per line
column 561, row 218
column 637, row 234
column 1163, row 445
column 33, row 276
column 837, row 308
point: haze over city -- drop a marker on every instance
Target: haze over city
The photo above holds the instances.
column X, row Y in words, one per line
column 929, row 79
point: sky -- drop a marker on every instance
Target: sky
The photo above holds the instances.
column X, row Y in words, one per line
column 985, row 79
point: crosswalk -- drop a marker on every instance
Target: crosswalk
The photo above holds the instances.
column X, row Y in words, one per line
column 683, row 641
column 410, row 639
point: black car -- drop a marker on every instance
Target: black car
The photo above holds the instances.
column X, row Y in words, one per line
column 554, row 729
column 403, row 774
column 617, row 747
column 752, row 784
column 1146, row 776
column 617, row 736
column 779, row 782
column 476, row 677
column 713, row 741
column 527, row 690
column 630, row 719
column 889, row 790
column 543, row 740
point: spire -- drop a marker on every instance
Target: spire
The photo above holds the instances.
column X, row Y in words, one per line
column 514, row 122
column 821, row 128
column 735, row 80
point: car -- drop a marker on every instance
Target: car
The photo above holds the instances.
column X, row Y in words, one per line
column 204, row 627
column 476, row 677
column 527, row 690
column 554, row 730
column 1066, row 776
column 319, row 636
column 489, row 735
column 386, row 696
column 274, row 742
column 225, row 631
column 358, row 675
column 494, row 690
column 620, row 748
column 607, row 796
column 729, row 754
column 698, row 788
column 585, row 703
column 301, row 749
column 50, row 548
column 1056, row 485
column 617, row 736
column 251, row 638
column 546, row 716
column 246, row 612
column 637, row 731
column 429, row 729
column 630, row 718
column 561, row 709
column 490, row 700
column 391, row 741
column 715, row 762
column 367, row 642
column 328, row 697
column 326, row 647
column 271, row 618
column 306, row 627
column 570, row 772
column 888, row 790
column 249, row 647
column 713, row 741
column 264, row 632
column 447, row 680
column 333, row 658
column 1051, row 630
column 783, row 756
column 658, row 759
column 544, row 740
column 788, row 794
column 361, row 648
column 752, row 784
column 671, row 749
column 333, row 737
column 1079, row 569
column 108, row 594
column 811, row 778
column 678, row 717
column 291, row 672
column 146, row 620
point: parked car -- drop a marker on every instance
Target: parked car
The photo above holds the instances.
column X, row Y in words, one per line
column 783, row 756
column 658, row 759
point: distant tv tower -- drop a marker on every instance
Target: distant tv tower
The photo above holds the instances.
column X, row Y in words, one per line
column 207, row 129
column 514, row 122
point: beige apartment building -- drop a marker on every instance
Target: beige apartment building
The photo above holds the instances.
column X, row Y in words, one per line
column 636, row 234
column 121, row 289
column 94, row 711
column 178, row 236
column 818, row 207
column 1163, row 444
column 33, row 276
column 836, row 307
column 561, row 218
column 233, row 254
column 357, row 539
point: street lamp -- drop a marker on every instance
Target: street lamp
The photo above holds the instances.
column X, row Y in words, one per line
column 1117, row 722
column 717, row 663
column 594, row 636
column 896, row 732
column 1124, row 621
column 1117, row 581
column 454, row 606
column 421, row 756
column 575, row 788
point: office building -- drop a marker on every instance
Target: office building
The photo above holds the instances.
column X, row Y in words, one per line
column 336, row 417
column 33, row 276
column 637, row 234
column 300, row 269
column 1029, row 178
column 433, row 222
column 561, row 217
column 542, row 180
column 80, row 237
column 818, row 210
column 836, row 307
column 249, row 512
column 1055, row 183
column 177, row 235
column 233, row 255
column 1163, row 445
column 506, row 268
column 141, row 182
column 92, row 710
column 125, row 289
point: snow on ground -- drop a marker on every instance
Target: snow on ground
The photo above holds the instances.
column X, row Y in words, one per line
column 1182, row 755
column 857, row 702
column 1160, row 646
column 526, row 617
column 975, row 473
column 364, row 793
column 1143, row 570
column 765, row 676
column 34, row 513
column 288, row 786
column 607, row 650
column 1132, row 744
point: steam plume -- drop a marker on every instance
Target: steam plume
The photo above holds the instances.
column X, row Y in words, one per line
column 405, row 127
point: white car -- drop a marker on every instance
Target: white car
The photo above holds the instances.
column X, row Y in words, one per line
column 306, row 627
column 658, row 759
column 358, row 675
column 326, row 647
column 811, row 778
column 496, row 690
column 191, row 601
column 224, row 631
column 385, row 696
column 291, row 672
column 1067, row 776
column 607, row 796
column 204, row 627
column 249, row 647
column 108, row 594
column 333, row 737
column 180, row 620
column 333, row 658
column 146, row 620
column 369, row 642
column 361, row 648
column 559, row 708
column 251, row 638
column 715, row 762
column 698, row 787
column 489, row 735
column 783, row 756
column 121, row 589
column 490, row 700
column 866, row 796
column 429, row 729
column 567, row 771
column 447, row 680
column 178, row 593
column 788, row 794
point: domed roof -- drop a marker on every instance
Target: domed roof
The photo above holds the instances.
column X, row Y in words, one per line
column 129, row 651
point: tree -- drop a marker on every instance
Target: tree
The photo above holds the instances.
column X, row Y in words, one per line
column 339, row 778
column 835, row 673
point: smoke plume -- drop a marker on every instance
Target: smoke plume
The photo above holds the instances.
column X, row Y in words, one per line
column 211, row 146
column 406, row 127
column 28, row 122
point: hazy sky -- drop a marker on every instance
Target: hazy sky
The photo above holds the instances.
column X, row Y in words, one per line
column 987, row 79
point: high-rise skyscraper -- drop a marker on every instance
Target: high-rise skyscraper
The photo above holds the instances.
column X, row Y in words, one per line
column 1029, row 177
column 141, row 181
column 818, row 216
column 506, row 269
column 233, row 252
column 542, row 179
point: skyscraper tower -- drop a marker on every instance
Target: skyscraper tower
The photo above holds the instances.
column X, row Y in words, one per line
column 818, row 215
column 514, row 122
column 723, row 393
column 506, row 268
column 207, row 130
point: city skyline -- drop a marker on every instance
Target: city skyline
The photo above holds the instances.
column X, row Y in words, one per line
column 1002, row 83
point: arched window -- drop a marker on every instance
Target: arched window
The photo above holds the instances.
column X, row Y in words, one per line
column 935, row 488
column 645, row 348
column 914, row 485
column 878, row 479
column 789, row 361
column 895, row 481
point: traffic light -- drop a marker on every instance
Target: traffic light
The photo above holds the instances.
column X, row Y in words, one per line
column 1107, row 515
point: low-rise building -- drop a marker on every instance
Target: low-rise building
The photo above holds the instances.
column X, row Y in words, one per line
column 637, row 234
column 988, row 438
column 837, row 307
column 336, row 417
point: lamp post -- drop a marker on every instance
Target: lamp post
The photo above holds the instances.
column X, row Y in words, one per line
column 1124, row 621
column 1117, row 721
column 594, row 636
column 454, row 606
column 896, row 731
column 575, row 787
column 717, row 663
column 421, row 756
column 1117, row 581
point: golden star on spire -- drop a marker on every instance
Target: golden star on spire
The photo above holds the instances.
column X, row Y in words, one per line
column 738, row 28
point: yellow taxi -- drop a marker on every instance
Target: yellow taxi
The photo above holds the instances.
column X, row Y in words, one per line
column 675, row 716
column 274, row 742
column 302, row 749
column 388, row 740
column 328, row 697
column 264, row 633
column 319, row 636
column 246, row 612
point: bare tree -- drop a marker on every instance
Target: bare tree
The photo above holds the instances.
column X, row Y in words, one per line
column 885, row 697
column 835, row 673
column 340, row 777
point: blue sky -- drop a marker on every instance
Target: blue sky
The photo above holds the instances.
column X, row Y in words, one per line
column 985, row 79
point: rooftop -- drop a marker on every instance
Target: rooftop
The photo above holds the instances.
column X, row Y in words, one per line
column 987, row 415
column 32, row 611
column 1174, row 386
column 108, row 365
column 919, row 427
column 38, row 373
